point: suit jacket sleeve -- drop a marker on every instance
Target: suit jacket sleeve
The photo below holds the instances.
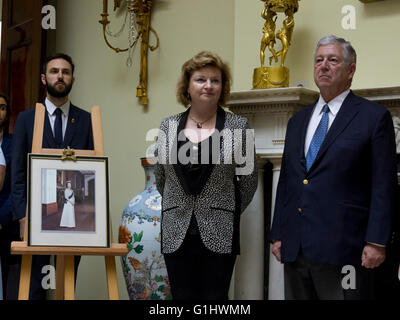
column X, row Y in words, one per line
column 384, row 181
column 5, row 208
column 247, row 180
column 19, row 168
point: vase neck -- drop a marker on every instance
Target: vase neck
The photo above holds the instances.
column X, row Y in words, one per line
column 149, row 177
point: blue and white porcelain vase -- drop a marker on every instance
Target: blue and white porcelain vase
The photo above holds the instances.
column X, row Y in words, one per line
column 144, row 267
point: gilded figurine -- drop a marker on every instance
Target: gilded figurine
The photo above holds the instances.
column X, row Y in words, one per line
column 275, row 76
column 269, row 33
column 285, row 34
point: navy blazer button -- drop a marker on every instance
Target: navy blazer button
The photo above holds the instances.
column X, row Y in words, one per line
column 305, row 181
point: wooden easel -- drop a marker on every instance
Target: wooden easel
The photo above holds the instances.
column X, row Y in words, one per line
column 65, row 282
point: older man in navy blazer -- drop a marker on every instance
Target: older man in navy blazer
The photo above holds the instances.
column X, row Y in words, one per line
column 336, row 191
column 64, row 125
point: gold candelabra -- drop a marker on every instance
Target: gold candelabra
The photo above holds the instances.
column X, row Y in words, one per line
column 139, row 13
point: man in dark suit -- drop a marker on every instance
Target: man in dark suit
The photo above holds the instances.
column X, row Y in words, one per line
column 8, row 229
column 337, row 186
column 64, row 125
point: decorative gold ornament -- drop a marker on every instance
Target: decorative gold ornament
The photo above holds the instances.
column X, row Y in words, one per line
column 275, row 76
column 139, row 12
column 68, row 154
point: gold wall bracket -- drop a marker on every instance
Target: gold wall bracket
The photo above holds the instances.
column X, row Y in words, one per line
column 141, row 9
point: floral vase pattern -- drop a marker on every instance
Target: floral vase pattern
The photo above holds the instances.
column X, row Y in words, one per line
column 144, row 267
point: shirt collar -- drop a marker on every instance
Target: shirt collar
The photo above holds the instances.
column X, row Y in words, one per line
column 51, row 108
column 334, row 104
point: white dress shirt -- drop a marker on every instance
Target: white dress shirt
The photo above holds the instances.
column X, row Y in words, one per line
column 2, row 159
column 51, row 109
column 334, row 107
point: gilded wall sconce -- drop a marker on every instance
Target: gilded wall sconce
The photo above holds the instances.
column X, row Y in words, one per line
column 139, row 27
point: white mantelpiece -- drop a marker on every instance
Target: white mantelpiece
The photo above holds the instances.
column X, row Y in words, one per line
column 268, row 111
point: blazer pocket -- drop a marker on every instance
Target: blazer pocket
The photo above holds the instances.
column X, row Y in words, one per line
column 356, row 206
column 222, row 209
column 168, row 209
column 349, row 143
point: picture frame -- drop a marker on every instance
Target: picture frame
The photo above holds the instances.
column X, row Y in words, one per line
column 68, row 201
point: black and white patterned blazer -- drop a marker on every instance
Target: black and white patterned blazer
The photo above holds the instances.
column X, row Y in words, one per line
column 230, row 185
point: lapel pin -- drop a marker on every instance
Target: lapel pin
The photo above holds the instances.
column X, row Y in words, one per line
column 73, row 120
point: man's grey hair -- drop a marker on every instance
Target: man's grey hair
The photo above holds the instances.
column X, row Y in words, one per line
column 349, row 54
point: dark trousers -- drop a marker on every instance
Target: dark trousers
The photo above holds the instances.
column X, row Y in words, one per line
column 11, row 266
column 196, row 273
column 306, row 280
column 386, row 279
column 8, row 234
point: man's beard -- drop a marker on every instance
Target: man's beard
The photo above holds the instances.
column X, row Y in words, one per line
column 58, row 94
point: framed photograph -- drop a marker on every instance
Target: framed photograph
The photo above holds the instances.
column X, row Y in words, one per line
column 68, row 201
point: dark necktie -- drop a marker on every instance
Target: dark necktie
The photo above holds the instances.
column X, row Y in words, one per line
column 58, row 128
column 318, row 138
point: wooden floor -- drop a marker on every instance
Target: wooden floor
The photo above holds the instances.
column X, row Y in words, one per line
column 84, row 219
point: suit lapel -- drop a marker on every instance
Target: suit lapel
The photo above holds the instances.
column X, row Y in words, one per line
column 72, row 122
column 174, row 155
column 48, row 137
column 305, row 121
column 346, row 114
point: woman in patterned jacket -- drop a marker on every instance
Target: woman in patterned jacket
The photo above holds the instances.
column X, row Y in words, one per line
column 206, row 174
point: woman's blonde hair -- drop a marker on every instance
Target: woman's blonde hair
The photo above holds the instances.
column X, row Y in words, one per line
column 201, row 60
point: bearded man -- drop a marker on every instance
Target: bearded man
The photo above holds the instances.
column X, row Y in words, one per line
column 65, row 125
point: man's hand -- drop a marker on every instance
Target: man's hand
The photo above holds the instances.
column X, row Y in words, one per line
column 276, row 249
column 399, row 273
column 372, row 256
column 22, row 228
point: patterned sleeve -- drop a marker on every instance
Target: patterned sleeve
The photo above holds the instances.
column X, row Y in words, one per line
column 247, row 173
column 158, row 153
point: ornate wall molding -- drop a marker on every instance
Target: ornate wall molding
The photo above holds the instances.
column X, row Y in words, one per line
column 269, row 110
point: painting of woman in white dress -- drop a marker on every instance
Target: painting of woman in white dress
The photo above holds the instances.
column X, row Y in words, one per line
column 68, row 200
column 68, row 214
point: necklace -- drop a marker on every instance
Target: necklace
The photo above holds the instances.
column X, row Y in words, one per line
column 199, row 124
